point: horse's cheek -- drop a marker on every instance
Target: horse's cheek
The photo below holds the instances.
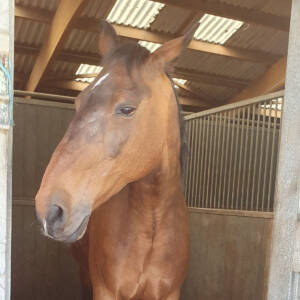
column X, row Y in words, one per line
column 114, row 141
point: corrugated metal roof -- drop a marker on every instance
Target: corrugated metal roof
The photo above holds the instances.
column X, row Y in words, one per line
column 23, row 63
column 216, row 92
column 170, row 19
column 29, row 32
column 87, row 69
column 45, row 4
column 135, row 13
column 253, row 37
column 96, row 9
column 220, row 65
column 82, row 41
column 215, row 29
column 63, row 68
column 275, row 7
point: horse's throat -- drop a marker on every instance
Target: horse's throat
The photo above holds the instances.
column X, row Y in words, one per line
column 153, row 197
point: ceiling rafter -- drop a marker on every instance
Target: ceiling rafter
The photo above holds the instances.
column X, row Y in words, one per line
column 234, row 12
column 66, row 13
column 197, row 93
column 191, row 75
column 208, row 78
column 141, row 34
column 271, row 81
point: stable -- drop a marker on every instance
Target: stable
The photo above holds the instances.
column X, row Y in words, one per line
column 238, row 84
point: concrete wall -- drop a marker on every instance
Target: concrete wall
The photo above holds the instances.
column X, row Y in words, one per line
column 229, row 257
column 6, row 59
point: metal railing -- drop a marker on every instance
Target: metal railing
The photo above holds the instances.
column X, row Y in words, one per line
column 233, row 155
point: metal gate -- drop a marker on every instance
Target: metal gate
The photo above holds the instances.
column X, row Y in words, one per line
column 229, row 186
column 233, row 155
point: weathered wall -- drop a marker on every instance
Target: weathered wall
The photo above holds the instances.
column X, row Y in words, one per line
column 37, row 131
column 229, row 257
column 41, row 268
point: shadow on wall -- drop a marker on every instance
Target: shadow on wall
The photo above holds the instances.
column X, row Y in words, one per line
column 41, row 268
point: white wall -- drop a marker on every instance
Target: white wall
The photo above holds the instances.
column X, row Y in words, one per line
column 6, row 50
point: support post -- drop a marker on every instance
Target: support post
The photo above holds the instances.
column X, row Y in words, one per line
column 282, row 279
column 6, row 67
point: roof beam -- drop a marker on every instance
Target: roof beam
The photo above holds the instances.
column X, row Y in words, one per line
column 198, row 94
column 230, row 11
column 208, row 78
column 141, row 34
column 160, row 38
column 271, row 81
column 80, row 86
column 66, row 14
column 33, row 14
column 94, row 59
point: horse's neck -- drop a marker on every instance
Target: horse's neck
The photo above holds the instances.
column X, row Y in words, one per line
column 159, row 192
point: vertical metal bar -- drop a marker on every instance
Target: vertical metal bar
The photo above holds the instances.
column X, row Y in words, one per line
column 195, row 156
column 205, row 128
column 261, row 155
column 243, row 192
column 226, row 158
column 235, row 152
column 222, row 164
column 187, row 170
column 256, row 144
column 209, row 132
column 239, row 203
column 190, row 184
column 199, row 129
column 207, row 154
column 267, row 159
column 202, row 162
column 273, row 158
column 212, row 161
column 217, row 164
column 251, row 157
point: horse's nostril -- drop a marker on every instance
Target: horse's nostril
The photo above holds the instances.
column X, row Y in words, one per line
column 54, row 218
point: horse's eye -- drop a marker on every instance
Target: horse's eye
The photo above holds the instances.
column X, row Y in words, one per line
column 126, row 110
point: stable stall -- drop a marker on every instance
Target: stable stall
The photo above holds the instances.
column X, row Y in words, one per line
column 241, row 176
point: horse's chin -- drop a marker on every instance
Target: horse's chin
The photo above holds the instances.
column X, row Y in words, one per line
column 76, row 235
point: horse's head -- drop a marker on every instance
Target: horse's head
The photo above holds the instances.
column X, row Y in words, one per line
column 117, row 136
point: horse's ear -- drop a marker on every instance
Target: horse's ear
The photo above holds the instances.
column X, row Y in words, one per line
column 173, row 48
column 108, row 39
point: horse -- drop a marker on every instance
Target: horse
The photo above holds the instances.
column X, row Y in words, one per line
column 114, row 178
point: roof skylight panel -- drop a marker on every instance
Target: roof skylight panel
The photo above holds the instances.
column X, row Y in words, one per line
column 135, row 13
column 180, row 81
column 214, row 29
column 149, row 45
column 87, row 69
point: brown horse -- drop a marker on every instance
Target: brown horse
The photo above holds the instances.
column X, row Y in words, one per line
column 118, row 168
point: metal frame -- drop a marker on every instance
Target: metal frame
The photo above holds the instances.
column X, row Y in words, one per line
column 233, row 155
column 236, row 105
